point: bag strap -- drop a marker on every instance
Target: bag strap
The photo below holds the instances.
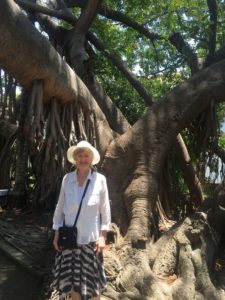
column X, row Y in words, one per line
column 79, row 209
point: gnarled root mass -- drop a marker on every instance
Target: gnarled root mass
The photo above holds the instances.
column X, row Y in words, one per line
column 180, row 265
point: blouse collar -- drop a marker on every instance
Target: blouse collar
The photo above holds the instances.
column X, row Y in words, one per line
column 88, row 177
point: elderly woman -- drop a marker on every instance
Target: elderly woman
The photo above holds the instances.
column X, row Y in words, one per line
column 79, row 271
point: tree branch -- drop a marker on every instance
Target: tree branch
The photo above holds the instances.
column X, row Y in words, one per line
column 36, row 8
column 115, row 117
column 191, row 58
column 218, row 56
column 212, row 5
column 78, row 34
column 122, row 68
column 88, row 15
column 189, row 172
column 117, row 16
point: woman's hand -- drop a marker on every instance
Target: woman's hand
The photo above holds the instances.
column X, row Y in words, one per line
column 55, row 241
column 100, row 244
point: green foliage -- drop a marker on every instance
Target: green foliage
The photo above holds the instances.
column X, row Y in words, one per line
column 119, row 90
column 222, row 140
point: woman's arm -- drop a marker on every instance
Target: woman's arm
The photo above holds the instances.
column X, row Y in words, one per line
column 58, row 216
column 100, row 244
column 104, row 208
column 55, row 241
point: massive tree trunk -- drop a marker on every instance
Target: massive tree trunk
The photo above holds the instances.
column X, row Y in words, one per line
column 179, row 265
column 148, row 141
column 134, row 193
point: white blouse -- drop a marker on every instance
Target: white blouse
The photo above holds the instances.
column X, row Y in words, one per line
column 95, row 211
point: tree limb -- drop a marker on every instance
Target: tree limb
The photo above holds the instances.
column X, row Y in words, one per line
column 27, row 5
column 218, row 56
column 76, row 42
column 122, row 68
column 88, row 15
column 117, row 16
column 189, row 172
column 212, row 5
column 191, row 58
column 115, row 117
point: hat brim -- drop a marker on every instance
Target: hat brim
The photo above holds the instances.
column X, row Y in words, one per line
column 72, row 149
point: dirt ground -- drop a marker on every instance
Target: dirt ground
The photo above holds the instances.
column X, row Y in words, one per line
column 29, row 234
column 16, row 283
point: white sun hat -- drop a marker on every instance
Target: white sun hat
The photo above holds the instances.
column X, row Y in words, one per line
column 83, row 145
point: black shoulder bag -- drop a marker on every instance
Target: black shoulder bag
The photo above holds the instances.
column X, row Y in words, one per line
column 68, row 235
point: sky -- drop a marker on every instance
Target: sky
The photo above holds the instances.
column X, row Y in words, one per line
column 223, row 127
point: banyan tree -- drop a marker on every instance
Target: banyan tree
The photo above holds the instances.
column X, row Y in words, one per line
column 61, row 61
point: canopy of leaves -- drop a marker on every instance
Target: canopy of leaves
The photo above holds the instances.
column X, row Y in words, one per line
column 156, row 62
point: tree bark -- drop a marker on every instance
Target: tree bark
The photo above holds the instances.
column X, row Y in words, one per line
column 212, row 5
column 114, row 116
column 141, row 151
column 78, row 35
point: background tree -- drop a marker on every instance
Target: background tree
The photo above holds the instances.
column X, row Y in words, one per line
column 166, row 73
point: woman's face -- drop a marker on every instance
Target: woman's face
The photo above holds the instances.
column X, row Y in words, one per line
column 83, row 160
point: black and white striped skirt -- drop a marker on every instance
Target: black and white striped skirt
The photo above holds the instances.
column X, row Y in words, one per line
column 79, row 269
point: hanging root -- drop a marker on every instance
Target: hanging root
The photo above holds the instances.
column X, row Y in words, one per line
column 205, row 131
column 62, row 127
column 56, row 112
column 92, row 130
column 38, row 111
column 34, row 116
column 164, row 223
column 49, row 135
column 81, row 123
